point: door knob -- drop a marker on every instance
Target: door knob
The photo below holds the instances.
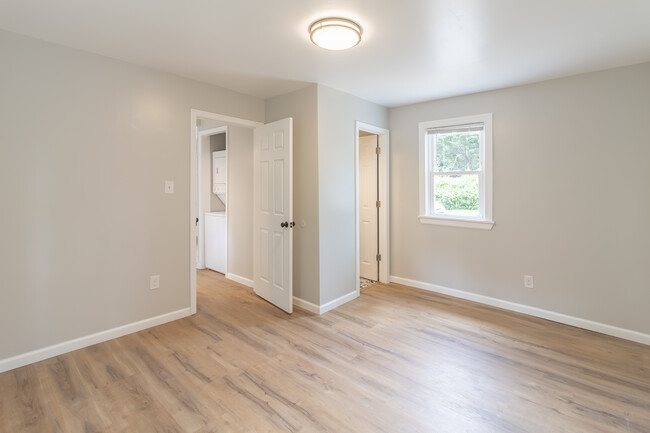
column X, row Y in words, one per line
column 292, row 224
column 284, row 224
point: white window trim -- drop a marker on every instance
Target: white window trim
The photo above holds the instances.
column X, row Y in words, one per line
column 427, row 217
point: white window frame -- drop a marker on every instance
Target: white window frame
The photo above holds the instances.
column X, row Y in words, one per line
column 427, row 216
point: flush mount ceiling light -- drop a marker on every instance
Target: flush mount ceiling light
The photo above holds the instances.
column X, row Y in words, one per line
column 335, row 33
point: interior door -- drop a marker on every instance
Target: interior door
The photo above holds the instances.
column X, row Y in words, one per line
column 273, row 213
column 368, row 229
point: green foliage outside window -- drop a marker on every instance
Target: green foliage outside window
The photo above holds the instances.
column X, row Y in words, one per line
column 457, row 192
column 458, row 151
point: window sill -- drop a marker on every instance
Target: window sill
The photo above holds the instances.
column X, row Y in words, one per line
column 455, row 222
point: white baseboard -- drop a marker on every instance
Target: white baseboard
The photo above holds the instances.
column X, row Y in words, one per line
column 338, row 301
column 603, row 328
column 322, row 309
column 81, row 342
column 241, row 280
column 306, row 305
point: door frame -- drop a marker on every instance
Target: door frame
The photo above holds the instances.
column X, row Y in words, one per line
column 383, row 173
column 200, row 174
column 196, row 115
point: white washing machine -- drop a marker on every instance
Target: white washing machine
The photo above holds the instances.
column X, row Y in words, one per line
column 215, row 241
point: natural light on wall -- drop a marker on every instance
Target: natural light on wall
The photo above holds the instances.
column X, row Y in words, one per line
column 335, row 33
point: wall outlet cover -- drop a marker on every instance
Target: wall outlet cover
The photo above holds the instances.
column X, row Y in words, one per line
column 528, row 281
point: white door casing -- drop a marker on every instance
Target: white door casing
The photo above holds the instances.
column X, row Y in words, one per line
column 273, row 213
column 369, row 267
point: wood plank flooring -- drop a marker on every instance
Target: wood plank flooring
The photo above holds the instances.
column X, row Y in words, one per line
column 395, row 360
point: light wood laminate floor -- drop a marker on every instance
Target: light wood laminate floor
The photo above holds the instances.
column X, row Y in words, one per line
column 395, row 360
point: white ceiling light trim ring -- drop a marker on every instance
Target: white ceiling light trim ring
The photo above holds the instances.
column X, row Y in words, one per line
column 335, row 33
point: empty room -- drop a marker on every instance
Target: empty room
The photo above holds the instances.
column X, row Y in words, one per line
column 324, row 216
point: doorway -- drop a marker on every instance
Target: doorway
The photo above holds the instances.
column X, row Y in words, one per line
column 372, row 225
column 212, row 197
column 258, row 160
column 238, row 235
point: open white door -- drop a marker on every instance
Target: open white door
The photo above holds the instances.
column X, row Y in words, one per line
column 273, row 213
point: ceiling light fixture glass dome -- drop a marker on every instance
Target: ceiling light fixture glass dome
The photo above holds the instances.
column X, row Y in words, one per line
column 335, row 33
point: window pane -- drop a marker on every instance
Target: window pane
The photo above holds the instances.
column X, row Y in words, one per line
column 457, row 151
column 456, row 195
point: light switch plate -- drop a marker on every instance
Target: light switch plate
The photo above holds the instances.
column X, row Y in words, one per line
column 169, row 187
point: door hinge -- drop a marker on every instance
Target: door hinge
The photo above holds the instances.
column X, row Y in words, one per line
column 379, row 257
column 378, row 203
column 378, row 150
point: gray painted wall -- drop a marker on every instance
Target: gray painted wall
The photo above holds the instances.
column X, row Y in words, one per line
column 86, row 143
column 240, row 201
column 302, row 107
column 324, row 202
column 218, row 142
column 338, row 113
column 571, row 200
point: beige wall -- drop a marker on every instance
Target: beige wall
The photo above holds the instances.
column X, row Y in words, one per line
column 86, row 144
column 571, row 199
column 240, row 201
column 338, row 113
column 323, row 186
column 302, row 107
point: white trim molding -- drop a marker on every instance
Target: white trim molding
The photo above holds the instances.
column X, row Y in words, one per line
column 306, row 305
column 478, row 224
column 578, row 322
column 298, row 302
column 427, row 215
column 200, row 114
column 89, row 340
column 322, row 309
column 338, row 301
column 241, row 280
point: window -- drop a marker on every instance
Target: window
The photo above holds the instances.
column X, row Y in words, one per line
column 456, row 172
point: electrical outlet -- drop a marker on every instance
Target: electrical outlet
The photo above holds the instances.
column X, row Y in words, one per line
column 528, row 281
column 154, row 282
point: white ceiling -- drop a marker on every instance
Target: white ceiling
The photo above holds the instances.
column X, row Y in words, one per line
column 412, row 50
